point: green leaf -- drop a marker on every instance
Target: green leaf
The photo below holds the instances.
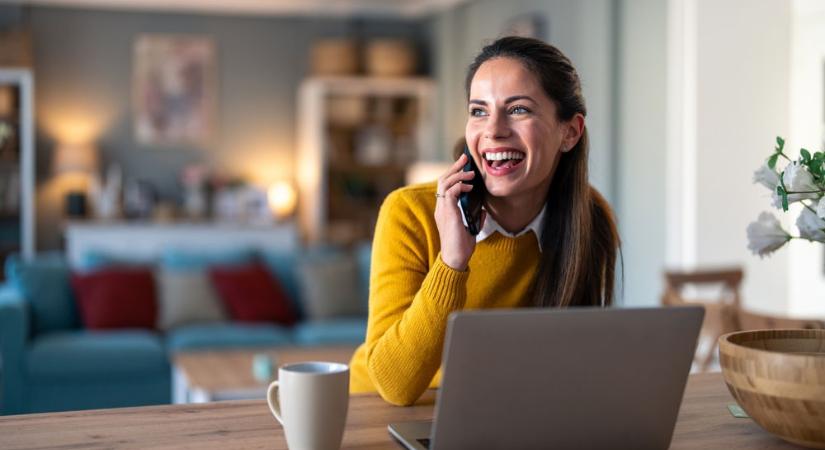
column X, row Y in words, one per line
column 806, row 155
column 780, row 143
column 780, row 190
column 772, row 160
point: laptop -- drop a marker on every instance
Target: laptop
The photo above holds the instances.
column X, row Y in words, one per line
column 567, row 379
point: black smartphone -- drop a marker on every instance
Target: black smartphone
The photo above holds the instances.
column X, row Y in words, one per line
column 470, row 202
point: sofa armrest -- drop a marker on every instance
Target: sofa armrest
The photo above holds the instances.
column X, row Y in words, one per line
column 14, row 332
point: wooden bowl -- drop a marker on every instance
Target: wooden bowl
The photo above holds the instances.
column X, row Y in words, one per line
column 778, row 378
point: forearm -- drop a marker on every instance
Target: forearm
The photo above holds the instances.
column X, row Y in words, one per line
column 404, row 358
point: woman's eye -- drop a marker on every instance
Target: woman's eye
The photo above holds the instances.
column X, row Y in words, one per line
column 477, row 112
column 519, row 110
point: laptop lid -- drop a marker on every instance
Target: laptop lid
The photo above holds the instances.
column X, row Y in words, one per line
column 573, row 378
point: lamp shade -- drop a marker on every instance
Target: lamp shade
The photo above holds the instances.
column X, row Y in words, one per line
column 282, row 199
column 74, row 158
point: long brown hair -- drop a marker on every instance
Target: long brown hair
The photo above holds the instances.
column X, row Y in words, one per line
column 579, row 236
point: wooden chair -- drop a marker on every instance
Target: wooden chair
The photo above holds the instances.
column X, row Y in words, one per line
column 720, row 311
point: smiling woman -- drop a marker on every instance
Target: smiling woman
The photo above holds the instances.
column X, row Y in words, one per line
column 547, row 238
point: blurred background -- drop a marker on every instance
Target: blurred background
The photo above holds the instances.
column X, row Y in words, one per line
column 263, row 113
column 196, row 175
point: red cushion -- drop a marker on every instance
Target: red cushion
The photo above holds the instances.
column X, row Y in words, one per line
column 251, row 294
column 116, row 298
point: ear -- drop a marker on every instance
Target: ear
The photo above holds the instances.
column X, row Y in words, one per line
column 573, row 130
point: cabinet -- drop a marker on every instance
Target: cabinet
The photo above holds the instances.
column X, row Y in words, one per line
column 357, row 137
column 17, row 231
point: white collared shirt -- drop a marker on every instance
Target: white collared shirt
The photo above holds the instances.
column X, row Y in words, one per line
column 491, row 226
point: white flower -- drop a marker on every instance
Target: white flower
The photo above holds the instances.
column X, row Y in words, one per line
column 766, row 235
column 776, row 200
column 810, row 226
column 766, row 177
column 820, row 208
column 798, row 179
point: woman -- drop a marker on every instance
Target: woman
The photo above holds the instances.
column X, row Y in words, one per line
column 548, row 238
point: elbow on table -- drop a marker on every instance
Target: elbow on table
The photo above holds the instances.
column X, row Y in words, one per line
column 393, row 391
column 398, row 397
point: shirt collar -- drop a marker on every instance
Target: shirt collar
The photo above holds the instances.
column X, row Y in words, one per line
column 491, row 226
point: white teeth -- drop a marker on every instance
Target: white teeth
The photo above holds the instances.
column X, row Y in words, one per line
column 497, row 156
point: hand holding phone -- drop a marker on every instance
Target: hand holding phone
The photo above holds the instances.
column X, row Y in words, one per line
column 457, row 240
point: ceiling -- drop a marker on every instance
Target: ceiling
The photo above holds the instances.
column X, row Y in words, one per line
column 335, row 8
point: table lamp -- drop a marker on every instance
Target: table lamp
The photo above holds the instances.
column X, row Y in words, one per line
column 78, row 160
column 282, row 199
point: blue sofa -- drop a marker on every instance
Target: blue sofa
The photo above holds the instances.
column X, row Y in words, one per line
column 50, row 363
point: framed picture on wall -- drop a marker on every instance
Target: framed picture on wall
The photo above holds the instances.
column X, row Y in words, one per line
column 173, row 89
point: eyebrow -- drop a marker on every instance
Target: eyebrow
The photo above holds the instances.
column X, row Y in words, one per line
column 507, row 100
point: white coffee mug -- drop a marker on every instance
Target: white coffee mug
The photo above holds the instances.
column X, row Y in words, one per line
column 311, row 399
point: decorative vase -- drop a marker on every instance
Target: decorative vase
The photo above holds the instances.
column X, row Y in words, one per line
column 778, row 378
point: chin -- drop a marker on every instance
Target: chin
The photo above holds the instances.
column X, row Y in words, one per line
column 501, row 190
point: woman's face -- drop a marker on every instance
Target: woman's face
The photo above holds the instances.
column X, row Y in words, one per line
column 512, row 129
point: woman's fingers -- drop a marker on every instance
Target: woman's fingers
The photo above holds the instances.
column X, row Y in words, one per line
column 456, row 178
column 455, row 190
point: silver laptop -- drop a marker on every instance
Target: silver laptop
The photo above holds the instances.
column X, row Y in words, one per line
column 567, row 379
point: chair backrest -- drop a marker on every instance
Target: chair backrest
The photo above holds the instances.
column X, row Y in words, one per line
column 727, row 279
column 717, row 291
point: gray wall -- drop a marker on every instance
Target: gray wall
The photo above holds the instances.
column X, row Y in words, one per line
column 83, row 67
column 641, row 125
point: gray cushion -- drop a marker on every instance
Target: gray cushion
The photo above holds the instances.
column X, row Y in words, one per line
column 330, row 287
column 186, row 297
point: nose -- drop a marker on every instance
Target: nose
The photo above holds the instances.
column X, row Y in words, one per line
column 496, row 126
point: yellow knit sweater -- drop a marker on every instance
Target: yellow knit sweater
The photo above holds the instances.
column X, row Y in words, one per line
column 412, row 293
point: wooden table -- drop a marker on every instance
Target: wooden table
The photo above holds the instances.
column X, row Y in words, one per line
column 210, row 375
column 704, row 422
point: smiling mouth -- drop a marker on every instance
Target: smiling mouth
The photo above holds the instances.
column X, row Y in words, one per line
column 504, row 160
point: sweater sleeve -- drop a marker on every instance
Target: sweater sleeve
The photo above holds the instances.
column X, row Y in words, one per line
column 409, row 304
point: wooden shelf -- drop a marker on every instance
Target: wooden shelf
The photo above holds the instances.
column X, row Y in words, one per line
column 340, row 191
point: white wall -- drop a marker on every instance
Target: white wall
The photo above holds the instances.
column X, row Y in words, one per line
column 742, row 103
column 807, row 260
column 703, row 91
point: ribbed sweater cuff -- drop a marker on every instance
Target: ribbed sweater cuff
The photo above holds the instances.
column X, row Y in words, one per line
column 445, row 285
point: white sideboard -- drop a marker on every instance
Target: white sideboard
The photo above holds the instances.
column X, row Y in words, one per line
column 147, row 241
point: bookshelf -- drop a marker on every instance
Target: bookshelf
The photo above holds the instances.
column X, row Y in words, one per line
column 357, row 137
